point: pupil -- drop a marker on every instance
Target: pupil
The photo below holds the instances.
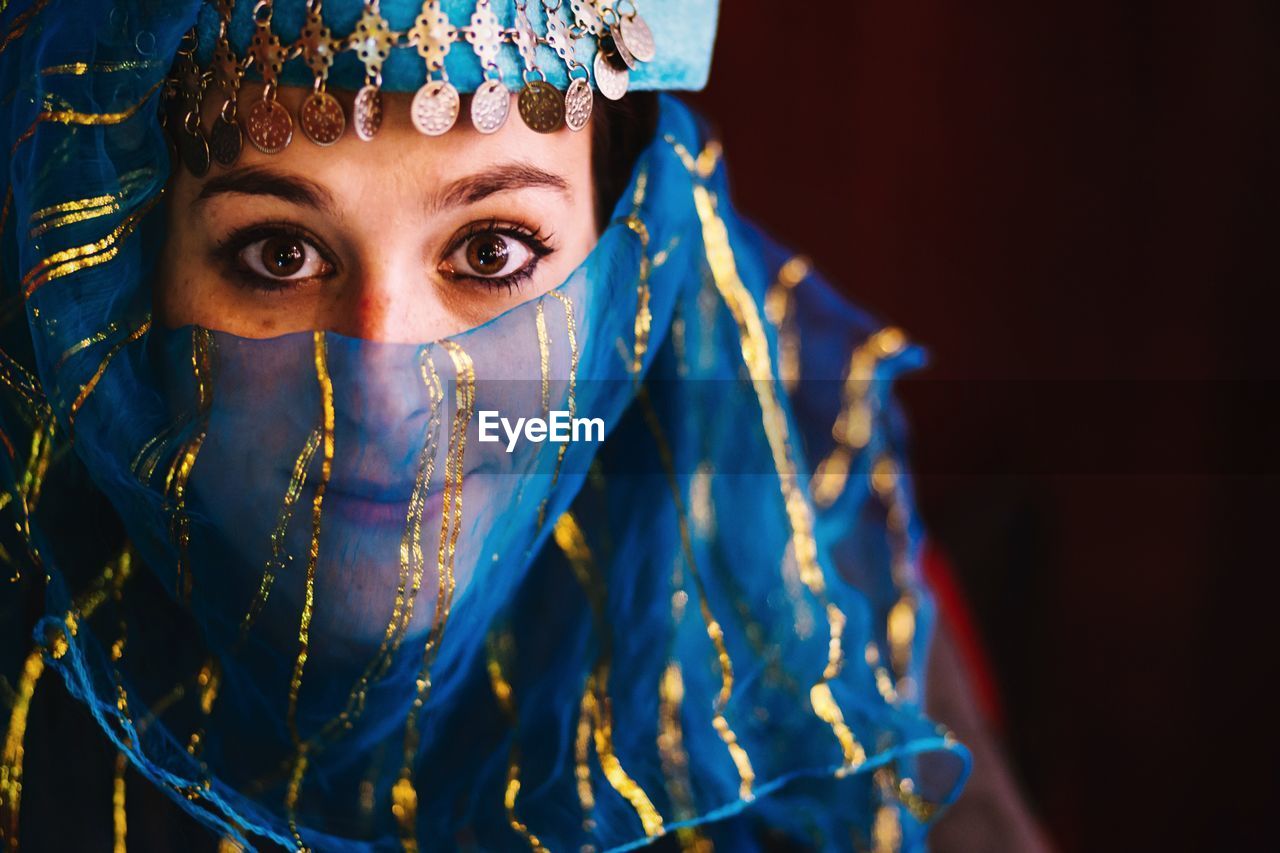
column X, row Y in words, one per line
column 488, row 254
column 283, row 256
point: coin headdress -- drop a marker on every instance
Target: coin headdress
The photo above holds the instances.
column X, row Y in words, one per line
column 555, row 54
column 284, row 582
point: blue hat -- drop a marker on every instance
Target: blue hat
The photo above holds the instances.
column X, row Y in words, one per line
column 683, row 33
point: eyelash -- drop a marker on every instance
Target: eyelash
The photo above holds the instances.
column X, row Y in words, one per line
column 539, row 246
column 229, row 250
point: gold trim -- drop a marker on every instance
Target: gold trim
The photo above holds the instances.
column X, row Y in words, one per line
column 12, row 757
column 755, row 354
column 88, row 387
column 325, row 382
column 76, row 117
column 71, row 260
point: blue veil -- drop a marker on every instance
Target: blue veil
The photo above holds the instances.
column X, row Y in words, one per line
column 344, row 622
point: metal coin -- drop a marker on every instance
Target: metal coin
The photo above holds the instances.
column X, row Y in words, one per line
column 490, row 105
column 367, row 112
column 578, row 102
column 639, row 38
column 614, row 45
column 322, row 118
column 194, row 150
column 226, row 140
column 435, row 108
column 269, row 126
column 542, row 106
column 611, row 81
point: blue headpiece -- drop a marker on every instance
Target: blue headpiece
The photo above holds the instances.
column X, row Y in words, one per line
column 553, row 53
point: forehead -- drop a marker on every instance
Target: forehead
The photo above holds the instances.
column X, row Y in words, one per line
column 400, row 159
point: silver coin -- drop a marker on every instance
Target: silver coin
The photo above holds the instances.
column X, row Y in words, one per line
column 612, row 82
column 578, row 102
column 366, row 114
column 490, row 105
column 639, row 38
column 435, row 107
column 614, row 44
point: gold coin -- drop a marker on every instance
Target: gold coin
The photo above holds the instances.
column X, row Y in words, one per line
column 322, row 118
column 542, row 107
column 367, row 112
column 269, row 126
column 578, row 103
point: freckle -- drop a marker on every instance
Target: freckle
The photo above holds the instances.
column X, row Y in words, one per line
column 268, row 325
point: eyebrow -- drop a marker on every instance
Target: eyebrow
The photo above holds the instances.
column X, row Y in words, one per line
column 262, row 180
column 499, row 179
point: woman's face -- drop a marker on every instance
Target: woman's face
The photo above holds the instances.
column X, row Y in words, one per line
column 406, row 238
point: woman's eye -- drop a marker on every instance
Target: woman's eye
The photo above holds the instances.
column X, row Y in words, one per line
column 490, row 255
column 284, row 258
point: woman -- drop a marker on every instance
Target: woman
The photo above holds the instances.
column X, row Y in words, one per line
column 465, row 472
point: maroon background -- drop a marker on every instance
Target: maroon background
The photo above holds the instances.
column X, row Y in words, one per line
column 1074, row 207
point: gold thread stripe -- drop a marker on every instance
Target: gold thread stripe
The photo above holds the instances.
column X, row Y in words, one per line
column 901, row 623
column 571, row 400
column 12, row 757
column 599, row 707
column 644, row 317
column 675, row 759
column 71, row 260
column 404, row 796
column 81, row 210
column 88, row 387
column 853, row 425
column 309, row 594
column 297, row 481
column 81, row 68
column 582, row 766
column 412, row 563
column 76, row 117
column 19, row 23
column 544, row 355
column 84, row 344
column 202, row 344
column 119, row 822
column 499, row 647
column 755, row 354
column 595, row 698
column 779, row 310
column 737, row 753
column 127, row 180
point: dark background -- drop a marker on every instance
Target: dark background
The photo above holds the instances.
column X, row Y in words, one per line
column 1074, row 207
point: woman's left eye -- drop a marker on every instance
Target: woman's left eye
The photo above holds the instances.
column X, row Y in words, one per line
column 491, row 254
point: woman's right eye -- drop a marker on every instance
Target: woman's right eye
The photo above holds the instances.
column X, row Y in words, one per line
column 284, row 258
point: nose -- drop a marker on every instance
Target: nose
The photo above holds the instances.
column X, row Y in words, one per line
column 389, row 298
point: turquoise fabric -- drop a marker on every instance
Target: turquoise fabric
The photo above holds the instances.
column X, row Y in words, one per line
column 712, row 623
